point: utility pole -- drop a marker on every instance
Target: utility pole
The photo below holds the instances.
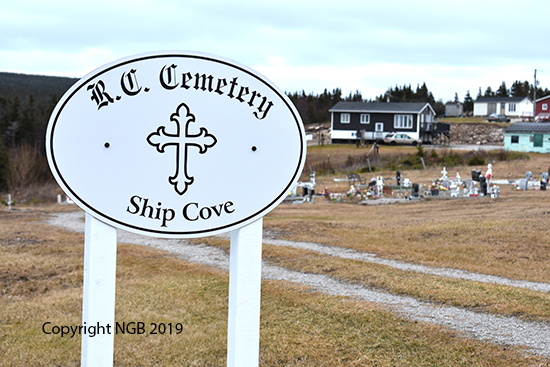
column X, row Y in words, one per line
column 535, row 97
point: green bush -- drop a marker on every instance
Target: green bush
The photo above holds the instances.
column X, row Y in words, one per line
column 420, row 153
column 366, row 169
column 475, row 161
column 452, row 159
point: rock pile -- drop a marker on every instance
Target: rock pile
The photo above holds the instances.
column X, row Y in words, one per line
column 460, row 134
column 476, row 134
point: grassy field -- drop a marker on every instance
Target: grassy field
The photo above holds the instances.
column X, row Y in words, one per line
column 471, row 120
column 336, row 161
column 41, row 281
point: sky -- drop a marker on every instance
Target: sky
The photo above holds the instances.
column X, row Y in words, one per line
column 366, row 46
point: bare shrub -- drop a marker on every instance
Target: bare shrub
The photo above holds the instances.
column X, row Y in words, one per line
column 28, row 176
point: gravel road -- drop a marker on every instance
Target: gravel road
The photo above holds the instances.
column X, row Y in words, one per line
column 499, row 329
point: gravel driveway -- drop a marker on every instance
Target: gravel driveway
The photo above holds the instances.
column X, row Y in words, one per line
column 499, row 329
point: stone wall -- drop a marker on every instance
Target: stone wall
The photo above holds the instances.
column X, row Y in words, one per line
column 460, row 134
column 476, row 134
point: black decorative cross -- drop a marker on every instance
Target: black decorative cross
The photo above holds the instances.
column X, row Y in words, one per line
column 161, row 139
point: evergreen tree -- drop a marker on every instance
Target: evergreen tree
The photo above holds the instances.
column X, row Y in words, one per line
column 26, row 128
column 468, row 103
column 422, row 93
column 502, row 91
column 4, row 164
column 489, row 92
column 519, row 89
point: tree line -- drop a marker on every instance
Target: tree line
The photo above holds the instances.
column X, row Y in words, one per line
column 27, row 101
column 313, row 108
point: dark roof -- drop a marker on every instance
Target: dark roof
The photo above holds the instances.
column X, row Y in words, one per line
column 528, row 127
column 500, row 99
column 412, row 107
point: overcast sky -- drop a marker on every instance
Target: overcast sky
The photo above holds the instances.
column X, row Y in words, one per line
column 452, row 46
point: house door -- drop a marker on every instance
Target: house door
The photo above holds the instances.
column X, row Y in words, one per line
column 502, row 108
column 537, row 141
column 379, row 130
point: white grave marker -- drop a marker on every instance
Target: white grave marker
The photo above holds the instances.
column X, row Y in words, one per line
column 172, row 144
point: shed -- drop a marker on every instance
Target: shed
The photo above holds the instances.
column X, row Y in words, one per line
column 528, row 137
column 454, row 109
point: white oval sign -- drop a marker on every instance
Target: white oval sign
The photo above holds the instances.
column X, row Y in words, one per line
column 176, row 144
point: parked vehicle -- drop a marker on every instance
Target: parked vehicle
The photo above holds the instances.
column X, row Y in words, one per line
column 405, row 139
column 496, row 117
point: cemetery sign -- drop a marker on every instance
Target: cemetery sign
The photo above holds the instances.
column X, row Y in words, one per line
column 175, row 144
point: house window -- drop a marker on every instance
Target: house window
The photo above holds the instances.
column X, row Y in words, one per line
column 511, row 107
column 514, row 139
column 403, row 121
column 344, row 118
column 365, row 118
column 545, row 106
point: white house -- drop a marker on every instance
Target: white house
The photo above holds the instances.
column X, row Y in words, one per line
column 509, row 106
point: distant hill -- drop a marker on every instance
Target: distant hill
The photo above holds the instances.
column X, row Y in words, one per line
column 26, row 102
column 43, row 88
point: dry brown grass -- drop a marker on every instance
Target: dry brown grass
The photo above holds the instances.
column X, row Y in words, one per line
column 507, row 236
column 337, row 156
column 472, row 120
column 41, row 281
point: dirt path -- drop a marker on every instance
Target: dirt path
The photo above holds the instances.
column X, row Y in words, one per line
column 495, row 328
column 346, row 253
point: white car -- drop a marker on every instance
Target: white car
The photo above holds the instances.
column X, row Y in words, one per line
column 404, row 139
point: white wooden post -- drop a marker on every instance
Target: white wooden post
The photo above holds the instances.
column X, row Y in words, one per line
column 245, row 272
column 98, row 303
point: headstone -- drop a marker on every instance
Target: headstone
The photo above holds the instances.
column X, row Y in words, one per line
column 543, row 180
column 483, row 186
column 414, row 191
column 476, row 175
column 523, row 183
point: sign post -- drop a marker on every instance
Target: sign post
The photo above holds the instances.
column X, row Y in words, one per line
column 98, row 301
column 172, row 143
column 245, row 273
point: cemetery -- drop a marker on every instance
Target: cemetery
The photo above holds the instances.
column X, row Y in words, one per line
column 393, row 187
column 152, row 261
column 435, row 230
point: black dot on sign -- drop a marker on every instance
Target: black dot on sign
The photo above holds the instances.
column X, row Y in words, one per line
column 254, row 148
column 107, row 145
